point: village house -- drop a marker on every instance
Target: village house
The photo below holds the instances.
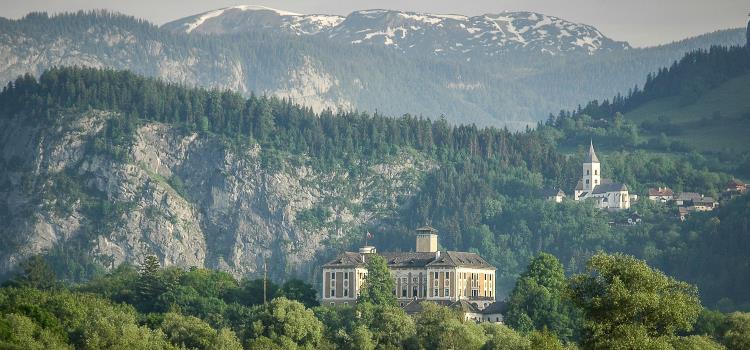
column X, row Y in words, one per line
column 605, row 193
column 685, row 199
column 688, row 202
column 555, row 195
column 682, row 213
column 733, row 189
column 426, row 274
column 661, row 194
column 703, row 204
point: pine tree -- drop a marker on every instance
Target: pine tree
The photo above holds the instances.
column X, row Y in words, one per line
column 35, row 273
column 149, row 285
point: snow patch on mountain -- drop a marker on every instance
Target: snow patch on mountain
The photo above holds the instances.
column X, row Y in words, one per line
column 293, row 22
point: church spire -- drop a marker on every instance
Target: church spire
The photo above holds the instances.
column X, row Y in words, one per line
column 592, row 158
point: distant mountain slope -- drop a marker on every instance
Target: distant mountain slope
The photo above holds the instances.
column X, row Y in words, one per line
column 715, row 120
column 514, row 90
column 421, row 33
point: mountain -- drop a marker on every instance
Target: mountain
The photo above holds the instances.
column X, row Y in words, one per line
column 514, row 90
column 247, row 18
column 442, row 35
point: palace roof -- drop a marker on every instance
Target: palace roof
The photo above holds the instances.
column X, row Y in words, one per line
column 414, row 260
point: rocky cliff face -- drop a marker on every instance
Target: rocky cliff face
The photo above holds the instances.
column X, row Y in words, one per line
column 190, row 199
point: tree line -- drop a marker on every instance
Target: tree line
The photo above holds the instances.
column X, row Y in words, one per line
column 618, row 302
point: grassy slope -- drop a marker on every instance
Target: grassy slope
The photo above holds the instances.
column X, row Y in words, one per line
column 697, row 122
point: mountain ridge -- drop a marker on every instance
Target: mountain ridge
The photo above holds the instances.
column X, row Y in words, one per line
column 515, row 91
column 489, row 34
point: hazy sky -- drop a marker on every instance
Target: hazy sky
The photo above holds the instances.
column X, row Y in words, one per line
column 640, row 22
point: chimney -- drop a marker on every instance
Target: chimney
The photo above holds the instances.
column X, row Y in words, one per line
column 427, row 240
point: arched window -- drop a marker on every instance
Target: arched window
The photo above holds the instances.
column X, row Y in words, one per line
column 587, row 172
column 596, row 172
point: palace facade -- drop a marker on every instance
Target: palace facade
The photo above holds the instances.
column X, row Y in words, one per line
column 445, row 277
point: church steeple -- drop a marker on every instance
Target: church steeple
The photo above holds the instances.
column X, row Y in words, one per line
column 591, row 157
column 591, row 170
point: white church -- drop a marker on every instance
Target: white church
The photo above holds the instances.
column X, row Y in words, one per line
column 605, row 193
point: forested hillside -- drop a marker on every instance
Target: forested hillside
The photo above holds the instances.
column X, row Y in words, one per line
column 696, row 105
column 117, row 167
column 514, row 90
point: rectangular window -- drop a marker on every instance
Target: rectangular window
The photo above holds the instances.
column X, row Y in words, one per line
column 333, row 293
column 333, row 275
column 447, row 292
column 346, row 292
column 414, row 292
column 436, row 275
column 403, row 293
column 346, row 275
column 435, row 292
